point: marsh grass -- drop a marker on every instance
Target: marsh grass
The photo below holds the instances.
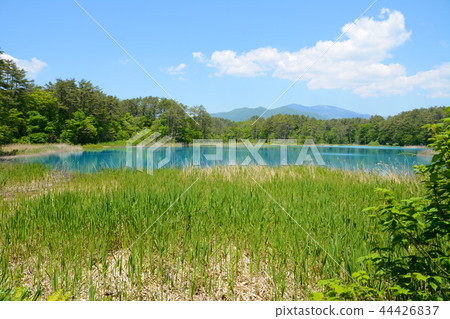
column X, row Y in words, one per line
column 224, row 239
column 34, row 149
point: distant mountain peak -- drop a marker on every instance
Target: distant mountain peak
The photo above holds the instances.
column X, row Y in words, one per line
column 320, row 112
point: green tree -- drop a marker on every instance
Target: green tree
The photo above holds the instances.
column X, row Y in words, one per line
column 14, row 87
column 80, row 129
column 203, row 119
column 36, row 125
column 413, row 260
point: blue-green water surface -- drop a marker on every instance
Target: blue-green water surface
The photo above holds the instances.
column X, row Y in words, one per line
column 383, row 159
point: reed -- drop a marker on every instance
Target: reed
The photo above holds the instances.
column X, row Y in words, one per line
column 33, row 149
column 224, row 239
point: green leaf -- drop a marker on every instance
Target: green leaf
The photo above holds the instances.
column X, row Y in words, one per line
column 420, row 277
column 318, row 296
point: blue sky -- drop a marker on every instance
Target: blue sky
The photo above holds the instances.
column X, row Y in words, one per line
column 229, row 54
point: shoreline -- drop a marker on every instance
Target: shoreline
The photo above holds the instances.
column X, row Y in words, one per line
column 426, row 153
column 47, row 149
column 38, row 150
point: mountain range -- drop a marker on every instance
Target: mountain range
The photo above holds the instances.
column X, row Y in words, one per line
column 320, row 112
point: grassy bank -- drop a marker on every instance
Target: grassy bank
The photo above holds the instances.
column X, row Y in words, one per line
column 124, row 235
column 19, row 150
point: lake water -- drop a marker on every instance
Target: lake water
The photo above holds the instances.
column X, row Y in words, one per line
column 383, row 159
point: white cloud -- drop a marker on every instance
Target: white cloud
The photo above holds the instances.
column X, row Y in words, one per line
column 32, row 67
column 199, row 56
column 354, row 63
column 437, row 80
column 176, row 69
column 253, row 63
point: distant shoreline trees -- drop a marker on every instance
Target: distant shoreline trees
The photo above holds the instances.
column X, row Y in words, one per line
column 78, row 112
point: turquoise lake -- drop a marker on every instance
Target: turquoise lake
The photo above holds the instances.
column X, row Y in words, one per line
column 382, row 159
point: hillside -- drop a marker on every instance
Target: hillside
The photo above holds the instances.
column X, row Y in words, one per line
column 329, row 111
column 245, row 113
column 320, row 112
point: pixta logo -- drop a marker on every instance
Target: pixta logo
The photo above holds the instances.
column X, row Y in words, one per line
column 144, row 140
column 145, row 144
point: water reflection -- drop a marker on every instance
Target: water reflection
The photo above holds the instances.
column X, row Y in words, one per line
column 385, row 159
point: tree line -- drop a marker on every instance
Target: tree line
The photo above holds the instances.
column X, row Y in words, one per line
column 79, row 112
column 402, row 129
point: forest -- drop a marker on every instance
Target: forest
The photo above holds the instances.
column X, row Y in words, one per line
column 78, row 112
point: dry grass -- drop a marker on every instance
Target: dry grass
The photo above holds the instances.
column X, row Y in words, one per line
column 224, row 240
column 39, row 149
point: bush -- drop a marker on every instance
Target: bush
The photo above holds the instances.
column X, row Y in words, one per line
column 413, row 263
column 38, row 138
